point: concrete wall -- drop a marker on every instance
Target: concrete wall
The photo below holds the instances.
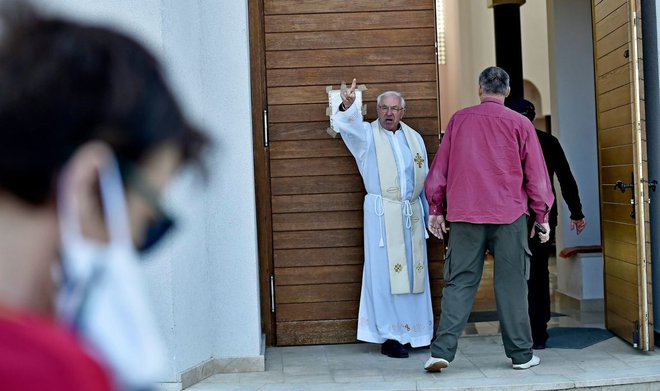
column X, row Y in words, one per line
column 651, row 27
column 204, row 279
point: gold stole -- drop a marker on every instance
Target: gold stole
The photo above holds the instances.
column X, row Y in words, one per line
column 398, row 212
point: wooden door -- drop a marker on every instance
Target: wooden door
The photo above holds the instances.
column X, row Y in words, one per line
column 311, row 208
column 622, row 159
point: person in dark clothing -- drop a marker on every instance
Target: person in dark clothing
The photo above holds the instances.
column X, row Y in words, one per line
column 538, row 296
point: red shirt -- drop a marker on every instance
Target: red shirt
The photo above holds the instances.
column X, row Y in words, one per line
column 489, row 168
column 36, row 354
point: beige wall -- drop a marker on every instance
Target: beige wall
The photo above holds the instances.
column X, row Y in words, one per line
column 470, row 45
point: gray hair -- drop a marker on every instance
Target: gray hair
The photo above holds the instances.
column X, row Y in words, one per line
column 392, row 93
column 494, row 81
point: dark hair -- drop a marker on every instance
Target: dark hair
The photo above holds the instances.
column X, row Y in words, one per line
column 62, row 84
column 524, row 107
column 494, row 80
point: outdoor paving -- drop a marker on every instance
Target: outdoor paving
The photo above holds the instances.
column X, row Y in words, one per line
column 480, row 364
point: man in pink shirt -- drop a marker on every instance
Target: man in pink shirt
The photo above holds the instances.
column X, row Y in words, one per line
column 488, row 171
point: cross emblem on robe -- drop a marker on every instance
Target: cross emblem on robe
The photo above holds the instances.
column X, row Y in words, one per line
column 419, row 160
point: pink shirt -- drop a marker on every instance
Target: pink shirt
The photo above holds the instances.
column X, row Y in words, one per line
column 489, row 168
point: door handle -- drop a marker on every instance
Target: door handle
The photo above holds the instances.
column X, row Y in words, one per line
column 652, row 184
column 623, row 186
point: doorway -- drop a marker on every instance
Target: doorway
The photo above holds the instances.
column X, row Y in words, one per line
column 310, row 193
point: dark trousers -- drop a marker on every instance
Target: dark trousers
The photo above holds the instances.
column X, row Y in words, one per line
column 538, row 288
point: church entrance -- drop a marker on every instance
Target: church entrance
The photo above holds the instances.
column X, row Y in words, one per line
column 309, row 190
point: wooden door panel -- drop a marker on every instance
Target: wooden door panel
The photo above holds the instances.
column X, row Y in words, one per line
column 332, row 21
column 313, row 166
column 317, row 275
column 618, row 213
column 326, row 6
column 316, row 112
column 316, row 193
column 318, row 130
column 317, row 202
column 613, row 20
column 627, row 287
column 318, row 256
column 298, row 131
column 613, row 79
column 603, row 10
column 621, row 251
column 314, row 185
column 615, row 98
column 609, row 177
column 349, row 39
column 613, row 60
column 616, row 39
column 622, row 305
column 622, row 157
column 314, row 293
column 329, row 310
column 317, row 94
column 619, row 231
column 308, row 149
column 625, row 270
column 616, row 117
column 616, row 156
column 333, row 75
column 319, row 238
column 316, row 332
column 308, row 221
column 349, row 57
column 616, row 136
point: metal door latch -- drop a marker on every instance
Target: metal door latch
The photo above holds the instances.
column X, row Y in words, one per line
column 623, row 186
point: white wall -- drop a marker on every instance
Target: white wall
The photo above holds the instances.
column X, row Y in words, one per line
column 470, row 42
column 204, row 279
column 574, row 111
column 534, row 36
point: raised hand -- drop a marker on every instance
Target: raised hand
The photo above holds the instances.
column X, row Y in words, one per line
column 348, row 95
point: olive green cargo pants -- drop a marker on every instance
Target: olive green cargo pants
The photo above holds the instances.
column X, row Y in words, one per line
column 464, row 265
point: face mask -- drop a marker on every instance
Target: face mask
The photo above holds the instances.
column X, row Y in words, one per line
column 162, row 222
column 103, row 297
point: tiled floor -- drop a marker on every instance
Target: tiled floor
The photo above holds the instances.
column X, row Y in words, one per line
column 480, row 364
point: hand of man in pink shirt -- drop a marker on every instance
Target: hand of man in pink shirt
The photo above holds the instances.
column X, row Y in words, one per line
column 437, row 226
column 544, row 234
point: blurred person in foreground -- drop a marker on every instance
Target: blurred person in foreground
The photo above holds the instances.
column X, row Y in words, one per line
column 538, row 296
column 489, row 170
column 90, row 136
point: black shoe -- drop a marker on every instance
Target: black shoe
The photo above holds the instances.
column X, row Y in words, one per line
column 394, row 349
column 538, row 346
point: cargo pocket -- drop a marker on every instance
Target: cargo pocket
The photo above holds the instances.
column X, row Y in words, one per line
column 526, row 261
column 447, row 268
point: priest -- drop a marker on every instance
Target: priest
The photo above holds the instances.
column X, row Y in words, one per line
column 395, row 301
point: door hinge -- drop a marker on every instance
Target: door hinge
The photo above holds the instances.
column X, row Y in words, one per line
column 272, row 293
column 635, row 334
column 265, row 128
